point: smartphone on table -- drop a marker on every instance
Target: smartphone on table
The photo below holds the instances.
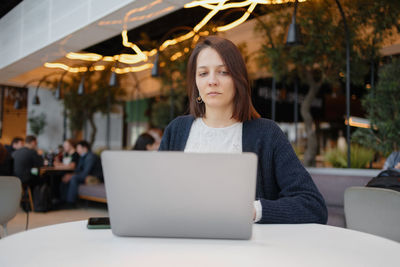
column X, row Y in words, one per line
column 99, row 223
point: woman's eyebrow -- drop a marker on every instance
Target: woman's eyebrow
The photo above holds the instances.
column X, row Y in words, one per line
column 204, row 67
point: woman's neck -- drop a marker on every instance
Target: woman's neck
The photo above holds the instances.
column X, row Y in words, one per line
column 218, row 118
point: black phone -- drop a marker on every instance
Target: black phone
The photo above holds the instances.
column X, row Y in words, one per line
column 99, row 223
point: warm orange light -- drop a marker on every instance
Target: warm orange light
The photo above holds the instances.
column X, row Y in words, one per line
column 65, row 67
column 238, row 21
column 133, row 69
column 84, row 56
column 176, row 56
column 176, row 40
column 360, row 122
column 142, row 56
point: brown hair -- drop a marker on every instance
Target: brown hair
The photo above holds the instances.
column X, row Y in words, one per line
column 233, row 60
column 30, row 138
column 72, row 142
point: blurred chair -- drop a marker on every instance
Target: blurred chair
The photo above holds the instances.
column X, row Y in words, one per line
column 373, row 210
column 10, row 196
column 27, row 197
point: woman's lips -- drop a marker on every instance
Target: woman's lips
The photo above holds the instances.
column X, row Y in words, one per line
column 213, row 93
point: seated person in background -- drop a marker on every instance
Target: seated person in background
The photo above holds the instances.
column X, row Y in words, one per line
column 27, row 162
column 145, row 142
column 223, row 120
column 89, row 167
column 393, row 161
column 6, row 164
column 16, row 144
column 59, row 154
column 157, row 134
column 71, row 157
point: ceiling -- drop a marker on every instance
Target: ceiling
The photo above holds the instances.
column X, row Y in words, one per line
column 105, row 40
column 155, row 30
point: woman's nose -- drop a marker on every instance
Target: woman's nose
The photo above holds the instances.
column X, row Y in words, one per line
column 212, row 81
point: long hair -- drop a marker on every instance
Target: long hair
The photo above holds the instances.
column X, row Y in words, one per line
column 243, row 108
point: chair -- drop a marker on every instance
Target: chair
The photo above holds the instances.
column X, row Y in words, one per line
column 373, row 210
column 10, row 196
column 27, row 196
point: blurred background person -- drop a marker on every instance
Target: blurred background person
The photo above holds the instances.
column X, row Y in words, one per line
column 16, row 144
column 393, row 161
column 70, row 158
column 27, row 162
column 157, row 135
column 59, row 154
column 88, row 169
column 145, row 142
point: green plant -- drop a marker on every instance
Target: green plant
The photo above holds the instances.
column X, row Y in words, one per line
column 382, row 105
column 95, row 99
column 321, row 57
column 173, row 81
column 360, row 157
column 37, row 123
column 173, row 86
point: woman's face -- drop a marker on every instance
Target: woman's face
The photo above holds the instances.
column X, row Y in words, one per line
column 215, row 83
column 67, row 146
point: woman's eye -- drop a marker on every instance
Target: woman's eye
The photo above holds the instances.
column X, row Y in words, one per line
column 224, row 72
column 201, row 74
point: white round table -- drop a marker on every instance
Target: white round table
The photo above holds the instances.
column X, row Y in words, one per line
column 72, row 244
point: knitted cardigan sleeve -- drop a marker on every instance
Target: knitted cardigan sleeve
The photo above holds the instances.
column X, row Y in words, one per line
column 296, row 199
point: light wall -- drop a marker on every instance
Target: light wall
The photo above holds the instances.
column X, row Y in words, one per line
column 53, row 131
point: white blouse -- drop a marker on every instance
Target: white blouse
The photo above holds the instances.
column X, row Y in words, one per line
column 205, row 139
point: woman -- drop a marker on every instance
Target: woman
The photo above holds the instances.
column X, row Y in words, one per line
column 71, row 157
column 223, row 119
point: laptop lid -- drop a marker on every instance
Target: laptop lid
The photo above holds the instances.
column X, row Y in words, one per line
column 176, row 194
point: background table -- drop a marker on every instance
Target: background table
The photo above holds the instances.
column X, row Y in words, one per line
column 72, row 244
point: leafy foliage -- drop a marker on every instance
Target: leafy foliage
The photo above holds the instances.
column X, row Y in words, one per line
column 321, row 57
column 95, row 99
column 37, row 123
column 172, row 75
column 382, row 105
column 360, row 157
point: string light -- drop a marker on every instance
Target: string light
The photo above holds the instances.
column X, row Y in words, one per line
column 133, row 69
column 84, row 56
column 65, row 67
column 142, row 56
column 238, row 21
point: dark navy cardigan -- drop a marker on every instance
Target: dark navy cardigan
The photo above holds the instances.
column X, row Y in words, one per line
column 285, row 189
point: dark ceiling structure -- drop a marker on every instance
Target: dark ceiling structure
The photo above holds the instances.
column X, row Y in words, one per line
column 156, row 29
column 7, row 5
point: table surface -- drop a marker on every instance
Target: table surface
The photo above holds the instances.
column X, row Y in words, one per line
column 55, row 169
column 72, row 244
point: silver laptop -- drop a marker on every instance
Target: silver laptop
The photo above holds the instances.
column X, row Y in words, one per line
column 176, row 194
